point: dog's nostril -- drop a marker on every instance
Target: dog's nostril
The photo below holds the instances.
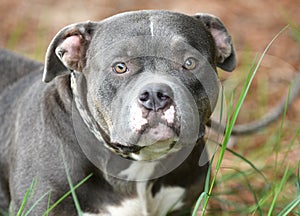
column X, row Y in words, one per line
column 162, row 96
column 144, row 97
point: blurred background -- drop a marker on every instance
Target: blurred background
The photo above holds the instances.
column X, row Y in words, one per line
column 27, row 27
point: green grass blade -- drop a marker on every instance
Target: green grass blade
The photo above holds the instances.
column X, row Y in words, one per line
column 66, row 194
column 291, row 145
column 207, row 180
column 223, row 148
column 278, row 190
column 220, row 128
column 26, row 197
column 252, row 191
column 229, row 125
column 247, row 86
column 77, row 205
column 296, row 202
column 298, row 185
column 290, row 207
column 262, row 201
column 198, row 203
column 280, row 133
column 205, row 192
column 232, row 120
column 249, row 163
column 49, row 202
column 35, row 204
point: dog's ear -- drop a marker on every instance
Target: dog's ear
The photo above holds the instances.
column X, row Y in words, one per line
column 226, row 58
column 67, row 50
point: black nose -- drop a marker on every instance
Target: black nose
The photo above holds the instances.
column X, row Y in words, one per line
column 155, row 96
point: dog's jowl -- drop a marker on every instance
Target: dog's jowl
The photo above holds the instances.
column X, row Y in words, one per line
column 126, row 100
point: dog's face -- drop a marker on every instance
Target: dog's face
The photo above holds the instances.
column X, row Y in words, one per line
column 147, row 78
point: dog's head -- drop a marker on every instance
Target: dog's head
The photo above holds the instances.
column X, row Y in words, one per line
column 147, row 79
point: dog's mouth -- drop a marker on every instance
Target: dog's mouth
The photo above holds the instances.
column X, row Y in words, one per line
column 153, row 134
column 134, row 149
column 153, row 151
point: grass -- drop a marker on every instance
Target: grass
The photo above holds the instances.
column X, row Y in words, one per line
column 231, row 122
column 70, row 192
column 30, row 192
column 267, row 190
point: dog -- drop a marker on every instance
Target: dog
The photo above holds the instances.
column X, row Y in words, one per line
column 126, row 100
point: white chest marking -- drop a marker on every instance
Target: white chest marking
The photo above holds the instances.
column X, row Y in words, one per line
column 139, row 171
column 168, row 198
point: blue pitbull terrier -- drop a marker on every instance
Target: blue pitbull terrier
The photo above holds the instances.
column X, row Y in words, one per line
column 126, row 100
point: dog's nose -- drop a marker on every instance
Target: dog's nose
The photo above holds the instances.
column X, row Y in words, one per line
column 155, row 96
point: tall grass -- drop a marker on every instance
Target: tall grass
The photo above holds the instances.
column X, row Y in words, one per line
column 70, row 192
column 25, row 210
column 230, row 124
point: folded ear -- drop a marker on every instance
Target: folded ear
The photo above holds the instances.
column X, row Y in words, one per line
column 67, row 50
column 226, row 58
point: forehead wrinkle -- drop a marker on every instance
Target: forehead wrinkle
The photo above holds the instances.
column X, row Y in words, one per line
column 151, row 28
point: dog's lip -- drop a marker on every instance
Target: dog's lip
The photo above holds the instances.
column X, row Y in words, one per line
column 159, row 144
column 125, row 148
column 136, row 148
column 160, row 141
column 119, row 148
column 158, row 135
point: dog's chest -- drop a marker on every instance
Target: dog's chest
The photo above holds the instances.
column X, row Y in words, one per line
column 167, row 199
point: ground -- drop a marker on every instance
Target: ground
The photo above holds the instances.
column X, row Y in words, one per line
column 28, row 26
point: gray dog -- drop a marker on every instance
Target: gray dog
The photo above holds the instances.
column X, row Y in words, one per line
column 126, row 100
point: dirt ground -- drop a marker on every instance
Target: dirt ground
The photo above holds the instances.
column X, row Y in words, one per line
column 28, row 26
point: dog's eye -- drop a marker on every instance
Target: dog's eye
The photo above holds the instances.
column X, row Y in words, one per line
column 190, row 63
column 120, row 67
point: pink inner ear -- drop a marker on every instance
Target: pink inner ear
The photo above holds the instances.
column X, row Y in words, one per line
column 224, row 48
column 72, row 48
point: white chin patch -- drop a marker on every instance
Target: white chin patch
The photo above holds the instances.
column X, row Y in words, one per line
column 157, row 139
column 160, row 133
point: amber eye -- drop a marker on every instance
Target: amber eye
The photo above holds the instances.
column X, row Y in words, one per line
column 120, row 67
column 190, row 63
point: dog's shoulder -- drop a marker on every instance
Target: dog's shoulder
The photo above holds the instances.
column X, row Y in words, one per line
column 14, row 66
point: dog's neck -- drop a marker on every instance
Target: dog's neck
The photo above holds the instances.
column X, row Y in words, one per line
column 87, row 118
